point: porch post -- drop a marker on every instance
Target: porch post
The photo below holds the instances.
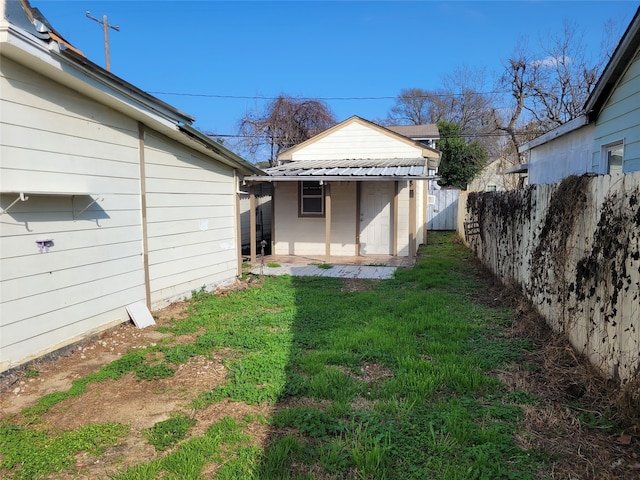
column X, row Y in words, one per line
column 327, row 220
column 412, row 218
column 395, row 218
column 238, row 222
column 358, row 219
column 252, row 222
column 273, row 218
column 425, row 209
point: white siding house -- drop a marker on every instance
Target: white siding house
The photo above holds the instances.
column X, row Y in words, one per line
column 107, row 196
column 356, row 189
column 606, row 139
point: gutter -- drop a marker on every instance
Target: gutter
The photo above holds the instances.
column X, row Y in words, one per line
column 557, row 132
column 336, row 178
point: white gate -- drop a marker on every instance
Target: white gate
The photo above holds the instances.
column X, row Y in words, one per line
column 442, row 213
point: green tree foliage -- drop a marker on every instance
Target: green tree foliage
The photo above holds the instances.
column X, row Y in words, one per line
column 461, row 161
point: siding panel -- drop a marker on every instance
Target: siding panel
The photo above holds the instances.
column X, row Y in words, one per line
column 191, row 220
column 55, row 140
column 357, row 141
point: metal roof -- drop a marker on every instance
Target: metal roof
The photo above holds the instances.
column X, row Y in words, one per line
column 350, row 168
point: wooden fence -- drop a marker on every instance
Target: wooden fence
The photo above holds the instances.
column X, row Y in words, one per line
column 574, row 250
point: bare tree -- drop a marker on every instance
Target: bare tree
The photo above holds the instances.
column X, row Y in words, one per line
column 463, row 99
column 284, row 122
column 550, row 87
column 411, row 108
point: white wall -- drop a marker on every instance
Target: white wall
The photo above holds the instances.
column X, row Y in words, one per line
column 52, row 140
column 620, row 120
column 306, row 235
column 403, row 219
column 190, row 222
column 64, row 151
column 355, row 140
column 561, row 157
column 263, row 215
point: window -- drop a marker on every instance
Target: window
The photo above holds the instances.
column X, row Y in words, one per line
column 613, row 156
column 311, row 195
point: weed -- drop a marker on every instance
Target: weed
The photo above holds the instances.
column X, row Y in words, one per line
column 154, row 371
column 167, row 433
column 323, row 266
column 273, row 264
column 199, row 295
column 308, row 421
column 598, row 420
column 31, row 372
column 34, row 453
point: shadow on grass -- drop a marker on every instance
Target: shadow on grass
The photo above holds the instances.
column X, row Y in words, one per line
column 365, row 379
column 389, row 379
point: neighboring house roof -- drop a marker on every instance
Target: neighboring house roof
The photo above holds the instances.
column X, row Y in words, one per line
column 427, row 152
column 563, row 129
column 29, row 39
column 417, row 132
column 352, row 169
column 615, row 69
column 618, row 64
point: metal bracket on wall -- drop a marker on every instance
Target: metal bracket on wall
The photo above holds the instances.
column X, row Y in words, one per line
column 76, row 215
column 21, row 198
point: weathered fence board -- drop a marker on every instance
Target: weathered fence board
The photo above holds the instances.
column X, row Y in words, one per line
column 574, row 249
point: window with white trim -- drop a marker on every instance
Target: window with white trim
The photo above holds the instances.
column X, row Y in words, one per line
column 311, row 199
column 613, row 154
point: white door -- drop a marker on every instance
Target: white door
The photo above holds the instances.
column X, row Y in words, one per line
column 375, row 218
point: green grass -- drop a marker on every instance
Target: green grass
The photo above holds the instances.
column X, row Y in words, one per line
column 306, row 346
column 168, row 432
column 34, row 453
column 323, row 266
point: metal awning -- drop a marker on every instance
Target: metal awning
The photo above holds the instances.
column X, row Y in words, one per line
column 349, row 170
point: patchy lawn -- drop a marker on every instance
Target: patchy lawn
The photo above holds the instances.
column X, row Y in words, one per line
column 437, row 373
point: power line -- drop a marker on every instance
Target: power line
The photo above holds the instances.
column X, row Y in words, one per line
column 265, row 97
column 463, row 135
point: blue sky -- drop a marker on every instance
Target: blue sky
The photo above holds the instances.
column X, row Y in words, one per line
column 198, row 52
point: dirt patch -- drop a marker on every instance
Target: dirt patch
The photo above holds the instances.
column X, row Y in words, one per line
column 358, row 285
column 57, row 372
column 139, row 403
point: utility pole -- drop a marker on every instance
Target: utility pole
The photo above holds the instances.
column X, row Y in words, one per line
column 106, row 28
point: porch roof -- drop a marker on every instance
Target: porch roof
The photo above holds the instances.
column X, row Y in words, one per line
column 370, row 169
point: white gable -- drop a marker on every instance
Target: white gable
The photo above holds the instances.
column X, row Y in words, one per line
column 356, row 140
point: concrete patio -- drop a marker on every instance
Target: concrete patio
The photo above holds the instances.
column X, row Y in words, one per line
column 377, row 267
